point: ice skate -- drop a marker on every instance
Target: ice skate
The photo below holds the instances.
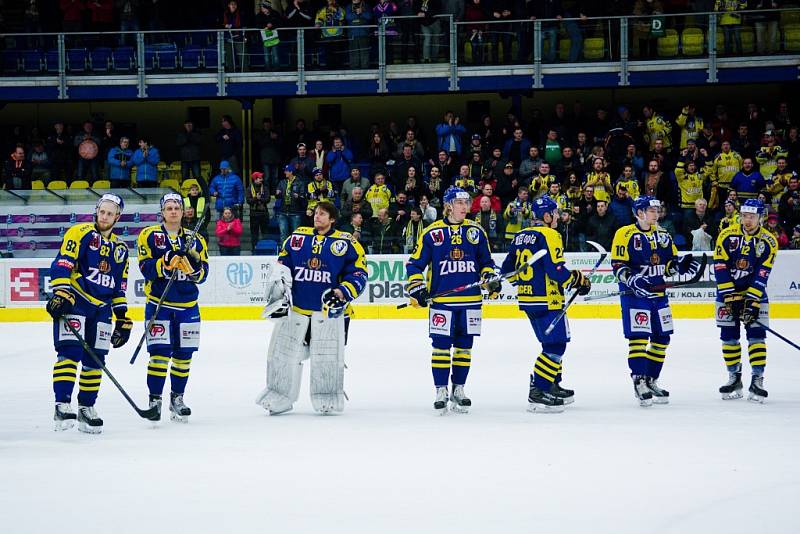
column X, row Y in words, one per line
column 64, row 417
column 440, row 404
column 642, row 391
column 155, row 402
column 88, row 421
column 274, row 402
column 459, row 402
column 178, row 411
column 757, row 391
column 732, row 389
column 660, row 395
column 566, row 395
column 540, row 401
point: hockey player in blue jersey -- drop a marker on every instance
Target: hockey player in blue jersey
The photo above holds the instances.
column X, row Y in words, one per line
column 540, row 294
column 743, row 259
column 319, row 272
column 89, row 278
column 642, row 255
column 455, row 251
column 175, row 332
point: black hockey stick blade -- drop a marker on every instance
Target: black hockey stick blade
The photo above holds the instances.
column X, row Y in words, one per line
column 149, row 413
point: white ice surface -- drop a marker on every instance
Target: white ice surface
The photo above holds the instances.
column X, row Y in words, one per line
column 388, row 464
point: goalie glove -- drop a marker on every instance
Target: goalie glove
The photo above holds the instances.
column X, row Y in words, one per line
column 332, row 305
column 492, row 284
column 60, row 303
column 278, row 291
column 579, row 282
column 418, row 295
column 750, row 311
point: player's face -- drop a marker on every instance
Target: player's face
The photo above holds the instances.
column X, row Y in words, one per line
column 750, row 221
column 322, row 221
column 650, row 216
column 172, row 212
column 107, row 216
column 460, row 209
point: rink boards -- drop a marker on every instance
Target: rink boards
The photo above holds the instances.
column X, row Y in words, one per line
column 235, row 290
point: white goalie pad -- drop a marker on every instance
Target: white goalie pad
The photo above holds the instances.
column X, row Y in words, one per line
column 278, row 287
column 287, row 350
column 327, row 363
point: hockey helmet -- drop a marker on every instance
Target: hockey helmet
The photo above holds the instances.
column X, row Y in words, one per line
column 114, row 199
column 753, row 205
column 644, row 202
column 454, row 193
column 171, row 197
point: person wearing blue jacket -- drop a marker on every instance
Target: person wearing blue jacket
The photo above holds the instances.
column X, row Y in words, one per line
column 146, row 159
column 339, row 160
column 119, row 164
column 748, row 182
column 226, row 190
column 449, row 133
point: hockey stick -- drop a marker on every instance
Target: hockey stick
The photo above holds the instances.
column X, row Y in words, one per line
column 602, row 257
column 693, row 280
column 505, row 276
column 774, row 333
column 186, row 247
column 146, row 414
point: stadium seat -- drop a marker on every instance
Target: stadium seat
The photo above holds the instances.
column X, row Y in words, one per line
column 790, row 18
column 191, row 57
column 31, row 61
column 10, row 61
column 124, row 59
column 37, row 184
column 748, row 40
column 791, row 38
column 51, row 61
column 77, row 59
column 167, row 56
column 594, row 48
column 205, row 168
column 57, row 185
column 79, row 184
column 163, row 174
column 133, row 176
column 101, row 184
column 173, row 184
column 101, row 59
column 174, row 171
column 667, row 46
column 266, row 247
column 150, row 58
column 563, row 49
column 692, row 42
column 189, row 182
column 210, row 58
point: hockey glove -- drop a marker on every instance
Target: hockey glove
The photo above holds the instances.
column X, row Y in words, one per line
column 579, row 282
column 418, row 295
column 492, row 284
column 641, row 286
column 684, row 265
column 122, row 332
column 732, row 302
column 332, row 305
column 60, row 303
column 176, row 259
column 750, row 311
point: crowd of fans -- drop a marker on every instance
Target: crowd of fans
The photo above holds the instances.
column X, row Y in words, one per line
column 497, row 31
column 389, row 182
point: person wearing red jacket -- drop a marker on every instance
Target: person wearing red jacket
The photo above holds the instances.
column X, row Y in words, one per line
column 72, row 15
column 486, row 191
column 229, row 234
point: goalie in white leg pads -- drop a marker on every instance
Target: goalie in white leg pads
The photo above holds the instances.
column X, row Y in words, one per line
column 320, row 270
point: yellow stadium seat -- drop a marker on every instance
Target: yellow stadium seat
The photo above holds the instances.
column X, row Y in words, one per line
column 79, row 184
column 791, row 38
column 594, row 48
column 174, row 171
column 563, row 49
column 163, row 172
column 101, row 184
column 171, row 183
column 57, row 185
column 692, row 42
column 187, row 184
column 748, row 40
column 667, row 46
column 37, row 184
column 790, row 18
column 205, row 168
column 133, row 176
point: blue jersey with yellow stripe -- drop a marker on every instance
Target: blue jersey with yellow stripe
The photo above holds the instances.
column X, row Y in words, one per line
column 454, row 255
column 93, row 266
column 742, row 262
column 320, row 262
column 643, row 252
column 153, row 242
column 539, row 287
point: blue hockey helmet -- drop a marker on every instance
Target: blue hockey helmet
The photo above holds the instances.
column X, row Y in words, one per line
column 644, row 202
column 114, row 199
column 454, row 193
column 542, row 205
column 171, row 197
column 753, row 205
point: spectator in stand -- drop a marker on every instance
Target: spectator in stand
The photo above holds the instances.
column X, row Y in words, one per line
column 302, row 164
column 400, row 210
column 379, row 195
column 730, row 216
column 226, row 189
column 645, row 33
column 403, row 164
column 730, row 22
column 698, row 226
column 258, row 198
column 569, row 163
column 291, row 194
column 516, row 148
column 490, row 220
column 128, row 11
column 449, row 132
column 664, row 158
column 229, row 233
column 417, row 150
column 229, row 140
column 601, row 225
column 690, row 124
column 357, row 204
column 486, row 191
column 582, row 210
column 72, row 15
column 189, row 143
column 629, row 182
column 357, row 227
column 743, row 142
column 120, row 163
column 725, row 166
column 234, row 21
column 568, row 229
column 318, row 155
column 427, row 10
column 429, row 213
column 447, row 165
column 552, row 148
column 691, row 183
column 415, row 187
column 748, row 182
column 58, row 147
column 197, row 202
column 655, row 183
column 774, row 227
column 356, row 180
column 377, row 153
column 437, row 185
column 600, row 180
column 779, row 181
column 17, row 171
column 301, row 135
column 385, row 235
column 358, row 14
column 665, row 222
column 572, row 188
column 475, row 33
column 621, row 206
column 102, row 18
column 330, row 18
column 40, row 162
column 339, row 160
column 766, row 25
column 517, row 214
column 795, row 243
column 90, row 164
column 767, row 156
column 108, row 140
column 789, row 204
column 708, row 141
column 318, row 190
column 146, row 159
column 269, row 20
column 412, row 230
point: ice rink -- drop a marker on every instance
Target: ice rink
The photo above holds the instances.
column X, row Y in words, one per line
column 388, row 463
